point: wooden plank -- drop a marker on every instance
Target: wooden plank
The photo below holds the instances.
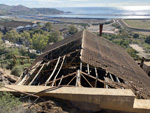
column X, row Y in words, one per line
column 81, row 65
column 78, row 79
column 36, row 75
column 71, row 80
column 111, row 77
column 37, row 64
column 96, row 77
column 48, row 63
column 60, row 80
column 65, row 55
column 106, row 86
column 52, row 72
column 22, row 79
column 88, row 68
column 72, row 60
column 117, row 79
column 87, row 80
column 59, row 70
column 113, row 84
column 92, row 77
column 26, row 82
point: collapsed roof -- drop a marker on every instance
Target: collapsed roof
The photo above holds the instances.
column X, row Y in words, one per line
column 92, row 60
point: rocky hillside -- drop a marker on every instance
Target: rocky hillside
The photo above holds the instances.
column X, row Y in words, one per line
column 22, row 10
column 6, row 78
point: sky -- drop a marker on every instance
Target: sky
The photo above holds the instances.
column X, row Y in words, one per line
column 75, row 3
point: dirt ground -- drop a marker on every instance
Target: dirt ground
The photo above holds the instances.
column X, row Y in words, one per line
column 6, row 78
column 143, row 33
column 52, row 105
column 143, row 24
column 141, row 51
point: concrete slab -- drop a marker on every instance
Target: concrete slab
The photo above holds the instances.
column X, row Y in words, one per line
column 115, row 99
column 141, row 104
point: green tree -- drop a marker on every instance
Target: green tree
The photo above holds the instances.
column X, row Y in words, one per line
column 39, row 31
column 49, row 26
column 39, row 41
column 12, row 36
column 11, row 52
column 54, row 36
column 116, row 25
column 136, row 35
column 122, row 42
column 25, row 35
column 132, row 52
column 72, row 29
column 147, row 40
column 25, row 38
column 1, row 35
column 9, row 103
column 123, row 34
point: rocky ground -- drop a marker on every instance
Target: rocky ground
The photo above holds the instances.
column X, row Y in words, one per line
column 6, row 78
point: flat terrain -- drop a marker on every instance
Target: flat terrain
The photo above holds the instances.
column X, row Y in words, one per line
column 142, row 24
column 141, row 51
column 14, row 24
column 143, row 33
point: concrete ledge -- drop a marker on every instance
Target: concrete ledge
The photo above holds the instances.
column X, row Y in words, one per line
column 71, row 90
column 141, row 104
column 115, row 99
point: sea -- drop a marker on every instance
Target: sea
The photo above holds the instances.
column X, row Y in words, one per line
column 125, row 12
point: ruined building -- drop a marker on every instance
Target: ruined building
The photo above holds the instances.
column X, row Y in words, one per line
column 93, row 64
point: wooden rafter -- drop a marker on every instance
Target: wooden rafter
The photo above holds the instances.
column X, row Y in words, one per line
column 113, row 84
column 60, row 80
column 53, row 71
column 87, row 80
column 59, row 70
column 71, row 80
column 71, row 74
column 96, row 77
column 88, row 69
column 78, row 79
column 36, row 75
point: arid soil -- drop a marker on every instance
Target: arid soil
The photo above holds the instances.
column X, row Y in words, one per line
column 6, row 78
column 141, row 51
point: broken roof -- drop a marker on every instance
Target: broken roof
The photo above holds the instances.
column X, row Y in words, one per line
column 101, row 53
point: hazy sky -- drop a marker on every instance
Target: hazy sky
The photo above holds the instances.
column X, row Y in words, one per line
column 76, row 3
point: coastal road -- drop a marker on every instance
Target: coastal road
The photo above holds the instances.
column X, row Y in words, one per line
column 117, row 21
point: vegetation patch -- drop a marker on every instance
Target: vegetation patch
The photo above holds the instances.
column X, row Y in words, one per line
column 142, row 24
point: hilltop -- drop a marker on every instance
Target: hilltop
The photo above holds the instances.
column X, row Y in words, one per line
column 23, row 10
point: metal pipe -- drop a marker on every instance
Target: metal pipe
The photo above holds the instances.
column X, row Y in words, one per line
column 100, row 29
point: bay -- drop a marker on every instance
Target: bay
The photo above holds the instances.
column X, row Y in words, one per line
column 135, row 12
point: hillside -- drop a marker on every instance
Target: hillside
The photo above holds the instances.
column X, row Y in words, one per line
column 22, row 10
